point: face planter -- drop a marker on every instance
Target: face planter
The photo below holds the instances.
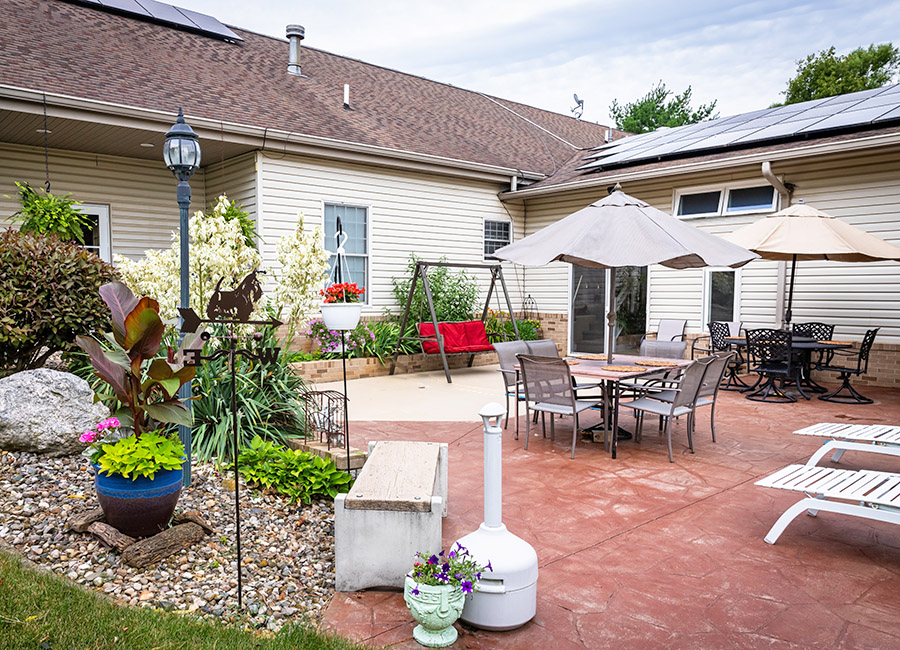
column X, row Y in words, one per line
column 435, row 608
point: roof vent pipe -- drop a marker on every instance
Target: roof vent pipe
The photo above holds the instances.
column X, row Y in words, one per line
column 347, row 96
column 295, row 34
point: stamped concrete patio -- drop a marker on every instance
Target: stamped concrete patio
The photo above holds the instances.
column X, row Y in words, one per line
column 640, row 553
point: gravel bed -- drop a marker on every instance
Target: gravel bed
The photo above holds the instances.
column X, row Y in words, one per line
column 287, row 551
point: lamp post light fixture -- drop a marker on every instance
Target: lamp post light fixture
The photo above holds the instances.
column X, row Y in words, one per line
column 181, row 153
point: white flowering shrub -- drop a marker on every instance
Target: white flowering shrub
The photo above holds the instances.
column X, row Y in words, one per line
column 304, row 263
column 218, row 250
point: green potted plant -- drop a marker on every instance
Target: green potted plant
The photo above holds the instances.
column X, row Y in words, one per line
column 137, row 461
column 435, row 591
column 341, row 308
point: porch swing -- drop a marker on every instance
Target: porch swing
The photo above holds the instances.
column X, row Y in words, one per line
column 444, row 338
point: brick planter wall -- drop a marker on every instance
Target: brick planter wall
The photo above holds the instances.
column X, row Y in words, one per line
column 330, row 370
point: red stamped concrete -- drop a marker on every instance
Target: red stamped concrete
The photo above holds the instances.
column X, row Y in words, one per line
column 640, row 553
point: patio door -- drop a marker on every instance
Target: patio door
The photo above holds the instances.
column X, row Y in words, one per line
column 588, row 307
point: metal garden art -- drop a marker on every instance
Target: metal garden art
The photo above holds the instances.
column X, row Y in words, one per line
column 230, row 308
column 137, row 463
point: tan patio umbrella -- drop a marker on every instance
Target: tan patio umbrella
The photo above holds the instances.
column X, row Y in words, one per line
column 801, row 232
column 621, row 230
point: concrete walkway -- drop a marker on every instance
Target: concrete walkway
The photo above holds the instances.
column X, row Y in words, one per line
column 641, row 553
column 422, row 397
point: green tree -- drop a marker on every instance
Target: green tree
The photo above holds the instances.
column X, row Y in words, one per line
column 653, row 111
column 826, row 74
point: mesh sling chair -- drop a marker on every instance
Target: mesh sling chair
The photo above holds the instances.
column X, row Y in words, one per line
column 771, row 350
column 548, row 389
column 672, row 402
column 669, row 341
column 506, row 355
column 844, row 372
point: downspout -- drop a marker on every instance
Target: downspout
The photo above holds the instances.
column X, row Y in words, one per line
column 785, row 191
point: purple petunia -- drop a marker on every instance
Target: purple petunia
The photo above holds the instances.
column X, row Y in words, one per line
column 466, row 587
column 489, row 567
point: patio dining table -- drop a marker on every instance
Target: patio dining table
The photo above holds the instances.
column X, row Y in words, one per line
column 598, row 369
column 804, row 346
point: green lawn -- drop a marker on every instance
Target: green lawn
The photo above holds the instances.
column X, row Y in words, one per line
column 41, row 611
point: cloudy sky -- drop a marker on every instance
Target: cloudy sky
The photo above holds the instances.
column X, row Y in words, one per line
column 541, row 53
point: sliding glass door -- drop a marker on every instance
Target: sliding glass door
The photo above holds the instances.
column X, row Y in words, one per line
column 588, row 309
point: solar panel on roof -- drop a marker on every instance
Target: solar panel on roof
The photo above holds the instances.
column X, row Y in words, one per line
column 209, row 24
column 166, row 14
column 893, row 115
column 848, row 118
column 792, row 120
column 131, row 6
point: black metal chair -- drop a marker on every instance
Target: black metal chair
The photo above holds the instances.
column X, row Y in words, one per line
column 862, row 366
column 771, row 350
column 719, row 331
column 817, row 332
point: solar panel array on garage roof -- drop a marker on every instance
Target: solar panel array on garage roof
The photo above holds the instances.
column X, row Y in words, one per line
column 167, row 15
column 817, row 117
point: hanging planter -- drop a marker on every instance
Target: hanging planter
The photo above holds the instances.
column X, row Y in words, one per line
column 341, row 315
column 342, row 309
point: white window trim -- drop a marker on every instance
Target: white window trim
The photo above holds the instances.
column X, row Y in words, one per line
column 707, row 306
column 102, row 214
column 724, row 189
column 366, row 301
column 484, row 221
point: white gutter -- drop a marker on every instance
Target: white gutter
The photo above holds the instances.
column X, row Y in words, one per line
column 691, row 167
column 68, row 107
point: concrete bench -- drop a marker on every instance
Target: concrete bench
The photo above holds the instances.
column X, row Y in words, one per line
column 393, row 510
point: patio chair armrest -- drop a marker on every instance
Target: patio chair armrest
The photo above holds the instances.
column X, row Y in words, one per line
column 695, row 347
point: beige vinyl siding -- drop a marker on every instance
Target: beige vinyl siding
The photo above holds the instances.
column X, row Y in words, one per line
column 140, row 194
column 409, row 212
column 549, row 285
column 236, row 178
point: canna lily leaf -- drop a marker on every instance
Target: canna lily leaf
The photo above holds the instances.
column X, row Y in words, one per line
column 143, row 330
column 170, row 413
column 109, row 371
column 121, row 302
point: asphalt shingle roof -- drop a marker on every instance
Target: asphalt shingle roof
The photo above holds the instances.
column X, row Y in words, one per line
column 59, row 47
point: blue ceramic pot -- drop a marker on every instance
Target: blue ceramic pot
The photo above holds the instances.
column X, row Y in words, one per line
column 140, row 507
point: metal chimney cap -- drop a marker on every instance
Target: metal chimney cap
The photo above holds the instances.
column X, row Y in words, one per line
column 296, row 30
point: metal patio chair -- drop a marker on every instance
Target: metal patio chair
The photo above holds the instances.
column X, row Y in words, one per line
column 844, row 372
column 775, row 363
column 672, row 402
column 548, row 389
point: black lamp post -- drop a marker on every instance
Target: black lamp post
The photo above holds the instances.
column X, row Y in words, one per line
column 182, row 155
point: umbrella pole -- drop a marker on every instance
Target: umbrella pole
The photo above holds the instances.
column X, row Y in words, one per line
column 611, row 317
column 787, row 314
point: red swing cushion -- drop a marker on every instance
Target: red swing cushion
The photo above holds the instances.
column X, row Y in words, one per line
column 466, row 336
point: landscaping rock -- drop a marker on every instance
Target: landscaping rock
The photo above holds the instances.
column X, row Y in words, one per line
column 45, row 411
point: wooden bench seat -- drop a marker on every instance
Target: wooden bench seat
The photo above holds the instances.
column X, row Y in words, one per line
column 393, row 511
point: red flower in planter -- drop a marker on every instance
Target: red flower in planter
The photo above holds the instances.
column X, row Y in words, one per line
column 343, row 292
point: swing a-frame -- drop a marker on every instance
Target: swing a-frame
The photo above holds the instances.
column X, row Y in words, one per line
column 466, row 337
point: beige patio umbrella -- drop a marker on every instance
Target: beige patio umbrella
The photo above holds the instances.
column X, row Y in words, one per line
column 802, row 232
column 621, row 230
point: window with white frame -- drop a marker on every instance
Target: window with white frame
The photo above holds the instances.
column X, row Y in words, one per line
column 96, row 233
column 355, row 224
column 497, row 234
column 725, row 200
column 722, row 295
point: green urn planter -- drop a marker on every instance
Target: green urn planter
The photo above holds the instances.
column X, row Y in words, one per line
column 435, row 608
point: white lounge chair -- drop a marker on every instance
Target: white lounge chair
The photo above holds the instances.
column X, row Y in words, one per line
column 863, row 493
column 876, row 438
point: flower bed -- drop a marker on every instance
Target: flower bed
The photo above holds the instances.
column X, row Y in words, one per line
column 288, row 551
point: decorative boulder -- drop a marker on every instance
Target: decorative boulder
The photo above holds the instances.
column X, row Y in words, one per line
column 45, row 411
